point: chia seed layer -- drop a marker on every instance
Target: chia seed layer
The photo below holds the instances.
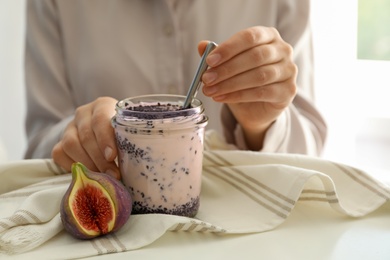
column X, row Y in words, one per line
column 188, row 209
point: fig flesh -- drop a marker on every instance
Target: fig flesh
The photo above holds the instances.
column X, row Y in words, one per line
column 95, row 204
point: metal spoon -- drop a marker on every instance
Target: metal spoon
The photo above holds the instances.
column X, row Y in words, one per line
column 196, row 82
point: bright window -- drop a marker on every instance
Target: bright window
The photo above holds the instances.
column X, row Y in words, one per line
column 352, row 93
column 374, row 29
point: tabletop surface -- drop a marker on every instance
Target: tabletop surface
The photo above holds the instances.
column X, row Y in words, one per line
column 313, row 230
column 306, row 234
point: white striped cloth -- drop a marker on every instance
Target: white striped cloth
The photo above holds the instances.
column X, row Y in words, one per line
column 242, row 192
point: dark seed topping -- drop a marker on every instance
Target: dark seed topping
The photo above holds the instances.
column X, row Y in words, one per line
column 188, row 209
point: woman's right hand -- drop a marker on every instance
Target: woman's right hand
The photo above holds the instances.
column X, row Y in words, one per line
column 90, row 139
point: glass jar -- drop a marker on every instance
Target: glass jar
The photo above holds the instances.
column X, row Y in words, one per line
column 160, row 152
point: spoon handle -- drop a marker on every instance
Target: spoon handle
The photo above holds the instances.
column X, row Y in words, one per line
column 196, row 82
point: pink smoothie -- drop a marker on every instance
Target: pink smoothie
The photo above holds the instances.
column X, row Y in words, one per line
column 160, row 153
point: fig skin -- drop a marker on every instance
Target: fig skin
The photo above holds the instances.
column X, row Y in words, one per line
column 117, row 194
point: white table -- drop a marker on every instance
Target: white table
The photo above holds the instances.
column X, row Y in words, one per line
column 305, row 235
column 312, row 231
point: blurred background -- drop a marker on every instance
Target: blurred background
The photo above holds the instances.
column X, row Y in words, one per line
column 352, row 64
column 12, row 106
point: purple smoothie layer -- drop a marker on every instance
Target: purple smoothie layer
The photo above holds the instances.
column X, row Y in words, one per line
column 154, row 107
column 155, row 110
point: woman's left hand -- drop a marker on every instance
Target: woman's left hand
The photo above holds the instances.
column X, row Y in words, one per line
column 254, row 74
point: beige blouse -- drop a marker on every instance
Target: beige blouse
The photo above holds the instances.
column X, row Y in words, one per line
column 77, row 51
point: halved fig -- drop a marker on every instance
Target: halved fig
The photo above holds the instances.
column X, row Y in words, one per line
column 95, row 204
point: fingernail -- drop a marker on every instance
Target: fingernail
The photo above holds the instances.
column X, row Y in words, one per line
column 213, row 59
column 219, row 98
column 209, row 77
column 108, row 153
column 210, row 90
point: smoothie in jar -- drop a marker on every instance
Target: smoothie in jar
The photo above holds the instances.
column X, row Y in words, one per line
column 160, row 147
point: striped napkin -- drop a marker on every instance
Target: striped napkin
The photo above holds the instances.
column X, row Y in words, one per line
column 242, row 192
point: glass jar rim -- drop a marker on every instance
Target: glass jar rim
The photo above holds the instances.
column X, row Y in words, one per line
column 150, row 120
column 123, row 106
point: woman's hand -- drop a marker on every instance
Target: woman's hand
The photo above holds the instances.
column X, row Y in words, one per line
column 254, row 74
column 90, row 138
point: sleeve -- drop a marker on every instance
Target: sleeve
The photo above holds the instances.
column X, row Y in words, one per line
column 49, row 101
column 300, row 128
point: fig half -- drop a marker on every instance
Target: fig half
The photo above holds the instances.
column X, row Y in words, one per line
column 95, row 204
